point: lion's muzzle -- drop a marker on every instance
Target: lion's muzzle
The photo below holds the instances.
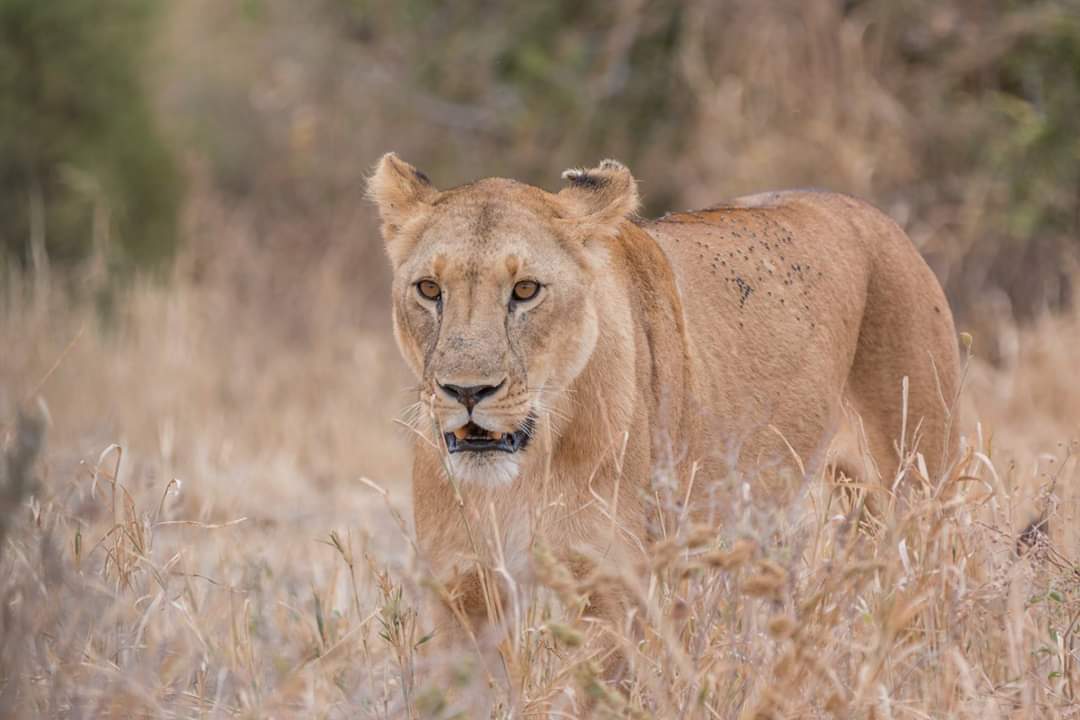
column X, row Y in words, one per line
column 473, row 438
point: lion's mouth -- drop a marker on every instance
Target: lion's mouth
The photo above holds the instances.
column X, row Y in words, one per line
column 473, row 438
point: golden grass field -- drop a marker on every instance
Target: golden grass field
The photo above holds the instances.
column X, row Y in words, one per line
column 218, row 526
column 218, row 523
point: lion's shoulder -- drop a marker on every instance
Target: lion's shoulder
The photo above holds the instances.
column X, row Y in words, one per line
column 816, row 198
column 812, row 212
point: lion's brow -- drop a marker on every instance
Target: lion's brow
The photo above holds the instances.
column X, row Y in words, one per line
column 485, row 219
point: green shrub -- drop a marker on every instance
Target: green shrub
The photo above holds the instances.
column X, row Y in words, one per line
column 80, row 155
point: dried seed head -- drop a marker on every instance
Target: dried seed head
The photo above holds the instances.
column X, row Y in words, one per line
column 740, row 552
column 782, row 626
column 767, row 582
column 837, row 705
column 565, row 634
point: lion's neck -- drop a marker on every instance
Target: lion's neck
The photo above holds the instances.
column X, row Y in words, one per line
column 628, row 404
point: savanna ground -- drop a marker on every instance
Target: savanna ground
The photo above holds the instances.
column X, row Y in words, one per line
column 218, row 524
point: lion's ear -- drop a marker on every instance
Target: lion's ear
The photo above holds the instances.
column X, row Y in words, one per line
column 401, row 192
column 599, row 199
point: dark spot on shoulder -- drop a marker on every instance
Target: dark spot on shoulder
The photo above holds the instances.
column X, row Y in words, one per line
column 744, row 290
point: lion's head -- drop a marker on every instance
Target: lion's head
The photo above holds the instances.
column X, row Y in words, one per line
column 494, row 299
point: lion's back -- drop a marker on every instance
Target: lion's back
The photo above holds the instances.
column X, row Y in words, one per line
column 779, row 275
column 776, row 288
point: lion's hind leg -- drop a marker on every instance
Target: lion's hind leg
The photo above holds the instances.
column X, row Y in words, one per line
column 853, row 471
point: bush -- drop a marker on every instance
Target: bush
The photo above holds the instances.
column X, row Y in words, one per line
column 81, row 160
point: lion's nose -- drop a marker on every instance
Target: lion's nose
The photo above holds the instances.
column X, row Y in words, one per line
column 470, row 395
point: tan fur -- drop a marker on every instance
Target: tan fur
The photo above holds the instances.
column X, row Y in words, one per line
column 729, row 344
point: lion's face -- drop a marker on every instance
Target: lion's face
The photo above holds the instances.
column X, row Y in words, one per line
column 494, row 307
column 495, row 317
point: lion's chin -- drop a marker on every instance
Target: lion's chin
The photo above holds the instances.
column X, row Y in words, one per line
column 485, row 468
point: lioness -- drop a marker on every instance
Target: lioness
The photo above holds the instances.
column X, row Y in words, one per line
column 573, row 358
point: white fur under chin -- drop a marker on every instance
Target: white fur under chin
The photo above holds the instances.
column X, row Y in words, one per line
column 490, row 469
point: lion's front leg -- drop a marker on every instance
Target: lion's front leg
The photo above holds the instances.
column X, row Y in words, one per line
column 608, row 605
column 469, row 611
column 466, row 603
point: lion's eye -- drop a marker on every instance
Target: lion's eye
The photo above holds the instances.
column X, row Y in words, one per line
column 525, row 290
column 429, row 290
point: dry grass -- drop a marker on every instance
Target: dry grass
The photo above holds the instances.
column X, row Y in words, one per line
column 197, row 539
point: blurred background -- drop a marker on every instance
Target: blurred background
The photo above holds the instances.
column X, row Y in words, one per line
column 184, row 234
column 192, row 285
column 122, row 128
